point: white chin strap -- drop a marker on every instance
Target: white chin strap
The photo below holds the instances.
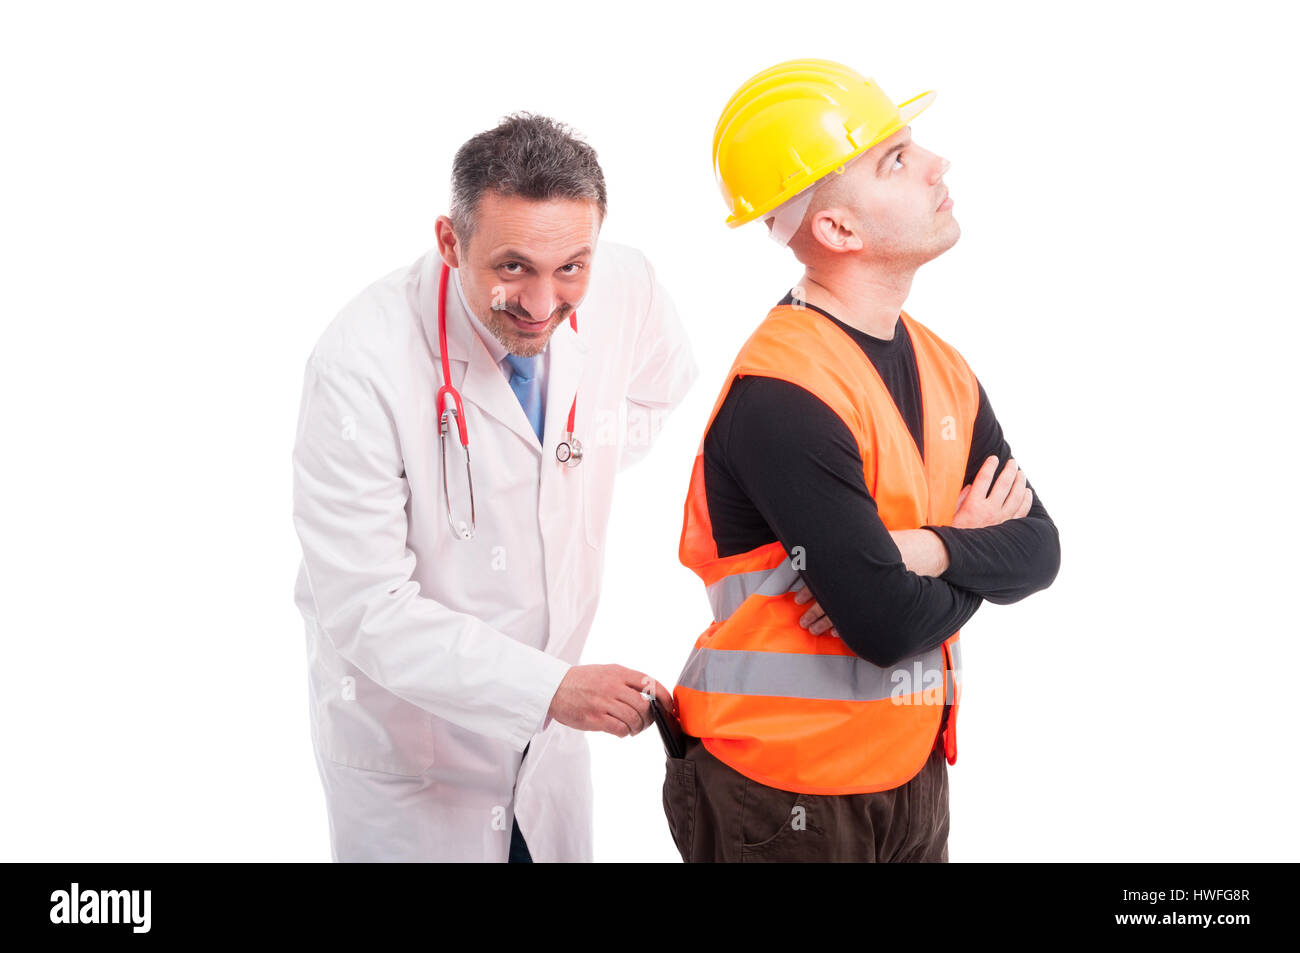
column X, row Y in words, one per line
column 785, row 219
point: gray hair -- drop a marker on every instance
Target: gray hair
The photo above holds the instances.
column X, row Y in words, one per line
column 527, row 155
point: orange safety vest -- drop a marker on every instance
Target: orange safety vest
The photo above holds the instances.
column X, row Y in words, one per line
column 798, row 711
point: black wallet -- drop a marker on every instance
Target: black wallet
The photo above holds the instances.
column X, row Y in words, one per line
column 670, row 730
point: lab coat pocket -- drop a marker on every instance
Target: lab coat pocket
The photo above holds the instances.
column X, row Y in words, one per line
column 360, row 724
column 681, row 797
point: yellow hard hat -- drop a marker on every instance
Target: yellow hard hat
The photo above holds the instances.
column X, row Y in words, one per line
column 789, row 125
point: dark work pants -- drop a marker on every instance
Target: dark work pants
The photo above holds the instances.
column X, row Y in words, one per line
column 717, row 814
column 518, row 847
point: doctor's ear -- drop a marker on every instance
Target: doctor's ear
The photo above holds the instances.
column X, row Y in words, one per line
column 448, row 244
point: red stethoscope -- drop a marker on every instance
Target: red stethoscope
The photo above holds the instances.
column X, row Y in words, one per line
column 568, row 451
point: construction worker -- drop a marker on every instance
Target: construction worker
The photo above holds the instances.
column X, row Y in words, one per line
column 852, row 503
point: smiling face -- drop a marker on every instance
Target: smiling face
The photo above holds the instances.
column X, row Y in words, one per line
column 888, row 205
column 527, row 265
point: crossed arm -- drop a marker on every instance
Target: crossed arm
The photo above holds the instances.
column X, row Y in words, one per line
column 895, row 594
column 984, row 502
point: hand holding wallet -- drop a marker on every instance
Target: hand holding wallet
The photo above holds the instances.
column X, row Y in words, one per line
column 670, row 729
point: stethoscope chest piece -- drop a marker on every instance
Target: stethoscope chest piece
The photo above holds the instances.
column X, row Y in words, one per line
column 569, row 452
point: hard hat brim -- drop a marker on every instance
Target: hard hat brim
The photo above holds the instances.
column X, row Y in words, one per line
column 907, row 111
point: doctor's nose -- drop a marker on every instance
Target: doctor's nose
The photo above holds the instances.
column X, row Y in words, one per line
column 540, row 303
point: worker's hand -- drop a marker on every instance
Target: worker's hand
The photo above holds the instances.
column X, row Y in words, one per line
column 814, row 620
column 1009, row 498
column 606, row 698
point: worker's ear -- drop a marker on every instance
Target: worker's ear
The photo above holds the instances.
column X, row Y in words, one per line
column 448, row 244
column 835, row 229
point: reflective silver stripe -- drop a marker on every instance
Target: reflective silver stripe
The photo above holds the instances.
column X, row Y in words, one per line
column 954, row 674
column 802, row 675
column 954, row 649
column 799, row 675
column 726, row 595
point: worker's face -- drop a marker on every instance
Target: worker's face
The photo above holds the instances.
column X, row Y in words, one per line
column 527, row 266
column 889, row 201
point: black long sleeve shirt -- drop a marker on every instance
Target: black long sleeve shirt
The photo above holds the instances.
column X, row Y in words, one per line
column 780, row 465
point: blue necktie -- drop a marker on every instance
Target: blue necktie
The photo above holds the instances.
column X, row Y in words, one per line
column 527, row 388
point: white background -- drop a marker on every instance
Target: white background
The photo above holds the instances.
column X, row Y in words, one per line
column 192, row 191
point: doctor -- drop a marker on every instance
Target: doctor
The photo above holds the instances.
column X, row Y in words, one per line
column 445, row 620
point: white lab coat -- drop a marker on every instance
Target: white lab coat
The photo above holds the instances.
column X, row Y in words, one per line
column 432, row 660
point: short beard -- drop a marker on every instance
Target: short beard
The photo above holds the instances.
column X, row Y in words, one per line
column 504, row 331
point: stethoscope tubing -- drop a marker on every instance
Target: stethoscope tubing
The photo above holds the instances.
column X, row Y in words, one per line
column 568, row 451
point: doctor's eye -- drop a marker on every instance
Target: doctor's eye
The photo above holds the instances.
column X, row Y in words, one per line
column 575, row 265
column 507, row 264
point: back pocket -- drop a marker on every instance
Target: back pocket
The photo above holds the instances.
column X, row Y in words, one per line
column 681, row 797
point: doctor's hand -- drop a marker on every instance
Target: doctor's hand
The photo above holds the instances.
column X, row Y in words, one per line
column 1009, row 498
column 605, row 698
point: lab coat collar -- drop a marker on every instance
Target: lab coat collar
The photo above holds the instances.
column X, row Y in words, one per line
column 481, row 382
column 568, row 351
column 495, row 347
